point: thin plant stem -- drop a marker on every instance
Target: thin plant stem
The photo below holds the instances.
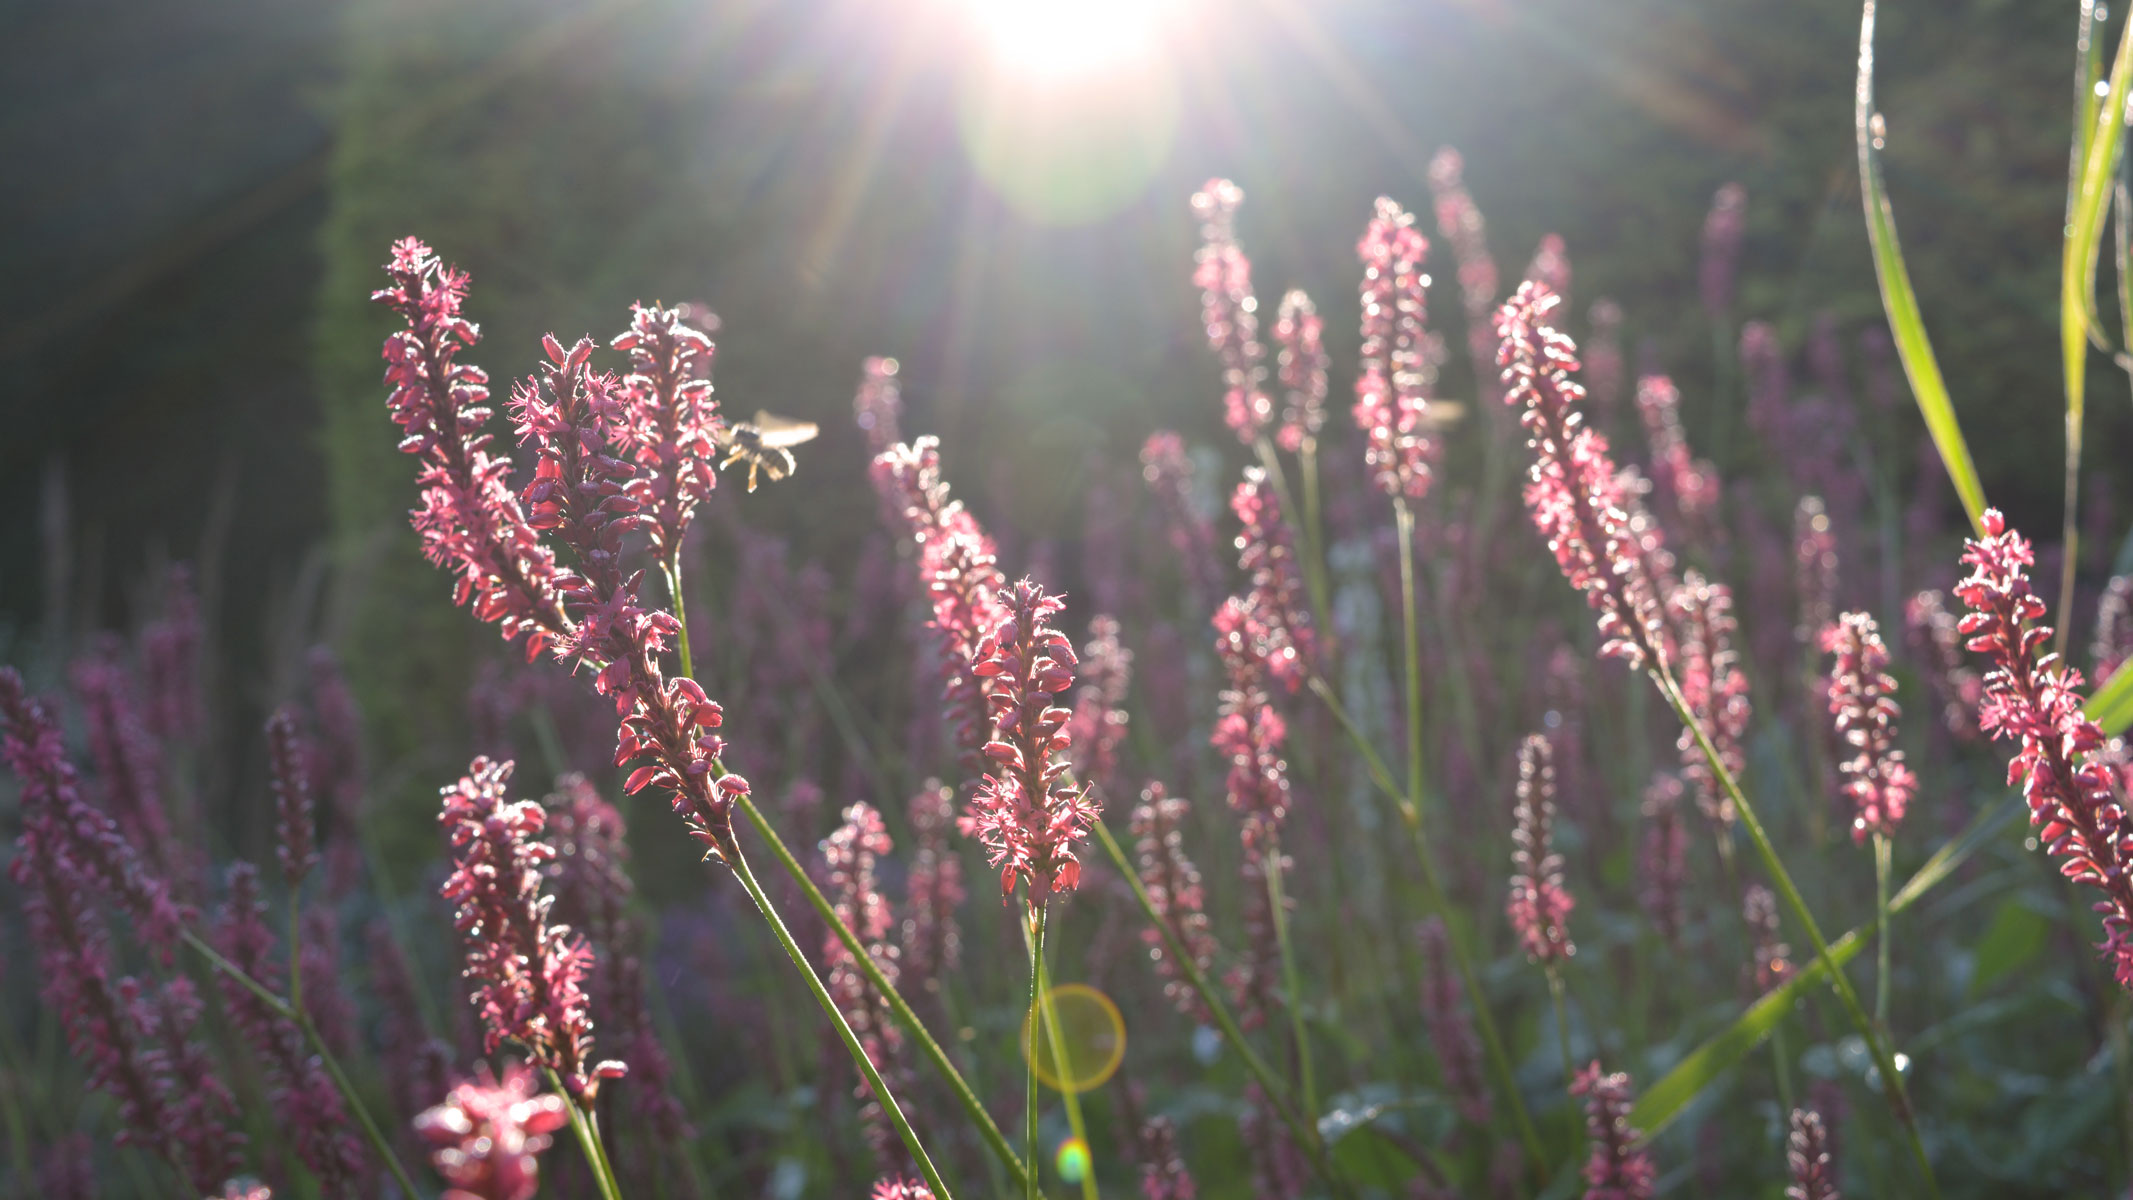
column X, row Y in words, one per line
column 979, row 1118
column 1847, row 996
column 296, row 956
column 588, row 1135
column 1562, row 1023
column 1438, row 903
column 1781, row 1065
column 281, row 1009
column 882, row 1096
column 1307, row 1082
column 1277, row 1092
column 1881, row 930
column 1404, row 520
column 1068, row 1085
column 672, row 569
column 1035, row 933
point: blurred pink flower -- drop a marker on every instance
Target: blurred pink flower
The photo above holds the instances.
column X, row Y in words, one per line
column 1539, row 905
column 1392, row 385
column 1229, row 310
column 487, row 1136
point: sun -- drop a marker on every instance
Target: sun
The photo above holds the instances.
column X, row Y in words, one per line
column 1060, row 38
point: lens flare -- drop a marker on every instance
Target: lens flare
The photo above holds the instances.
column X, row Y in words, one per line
column 1072, row 1160
column 1070, row 37
column 1091, row 1037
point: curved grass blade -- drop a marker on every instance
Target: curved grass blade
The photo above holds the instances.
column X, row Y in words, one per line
column 1665, row 1099
column 2111, row 706
column 1906, row 325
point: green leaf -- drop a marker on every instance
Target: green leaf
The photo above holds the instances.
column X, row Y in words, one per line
column 2015, row 936
column 1665, row 1099
column 2111, row 705
column 1906, row 324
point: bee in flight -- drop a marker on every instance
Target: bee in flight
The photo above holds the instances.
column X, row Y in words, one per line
column 765, row 444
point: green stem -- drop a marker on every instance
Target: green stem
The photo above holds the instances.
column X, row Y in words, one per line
column 1404, row 520
column 1069, row 1085
column 1846, row 995
column 1439, row 904
column 1035, row 934
column 1290, row 982
column 672, row 569
column 281, row 1009
column 882, row 1096
column 1781, row 1065
column 979, row 1118
column 1881, row 930
column 1562, row 1023
column 588, row 1135
column 1277, row 1093
column 296, row 955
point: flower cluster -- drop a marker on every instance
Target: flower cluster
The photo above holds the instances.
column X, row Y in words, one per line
column 528, row 974
column 291, row 762
column 1168, row 471
column 1814, row 561
column 1662, row 866
column 1862, row 705
column 1551, row 265
column 1451, row 1031
column 1174, row 891
column 1539, row 905
column 1098, row 727
column 487, row 1136
column 1571, row 489
column 1229, row 310
column 1164, row 1175
column 1266, row 552
column 1618, row 1167
column 1688, row 483
column 1026, row 811
column 1814, row 1176
column 1459, row 221
column 127, row 760
column 2035, row 698
column 1301, row 366
column 1773, row 958
column 1248, row 732
column 1392, row 387
column 306, row 1103
column 1715, row 690
column 959, row 568
column 1939, row 647
column 901, row 1189
column 669, row 422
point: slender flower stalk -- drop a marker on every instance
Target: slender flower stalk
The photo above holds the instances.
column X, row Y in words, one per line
column 848, row 857
column 1862, row 707
column 1230, row 311
column 1663, row 861
column 290, row 760
column 1392, row 386
column 1539, row 904
column 1164, row 1175
column 487, row 1136
column 1460, row 223
column 1451, row 1033
column 1172, row 884
column 1814, row 542
column 1956, row 685
column 2033, row 697
column 1618, row 1167
column 668, row 422
column 1285, row 639
column 1715, row 690
column 932, row 942
column 1688, row 484
column 128, row 762
column 1807, row 1155
column 1098, row 726
column 1772, row 964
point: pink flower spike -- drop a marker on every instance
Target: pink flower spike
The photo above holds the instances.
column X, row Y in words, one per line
column 1392, row 387
column 1618, row 1167
column 1230, row 311
column 290, row 759
column 1862, row 705
column 487, row 1136
column 1539, row 905
column 1300, row 332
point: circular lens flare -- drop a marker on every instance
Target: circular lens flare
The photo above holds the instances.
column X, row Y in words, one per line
column 1091, row 1039
column 1072, row 1160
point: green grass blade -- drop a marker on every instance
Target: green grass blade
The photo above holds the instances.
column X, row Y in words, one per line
column 1665, row 1099
column 2111, row 705
column 1906, row 325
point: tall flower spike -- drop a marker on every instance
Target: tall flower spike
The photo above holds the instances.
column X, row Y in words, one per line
column 128, row 762
column 1026, row 812
column 469, row 521
column 1169, row 472
column 878, row 405
column 1459, row 221
column 1229, row 310
column 290, row 760
column 1715, row 690
column 848, row 857
column 1551, row 265
column 1814, row 542
column 1301, row 334
column 2031, row 695
column 1571, row 489
column 1539, row 905
column 1618, row 1167
column 670, row 422
column 933, row 889
column 1687, row 483
column 1862, row 704
column 528, row 975
column 1663, row 863
column 1722, row 231
column 1098, row 727
column 1174, row 891
column 1451, row 1031
column 486, row 1137
column 1266, row 552
column 1814, row 1176
column 1956, row 685
column 1248, row 732
column 1392, row 387
column 1164, row 1175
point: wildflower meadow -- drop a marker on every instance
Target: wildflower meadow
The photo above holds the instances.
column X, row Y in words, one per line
column 1477, row 756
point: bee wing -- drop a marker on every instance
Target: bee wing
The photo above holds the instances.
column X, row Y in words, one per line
column 779, row 432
